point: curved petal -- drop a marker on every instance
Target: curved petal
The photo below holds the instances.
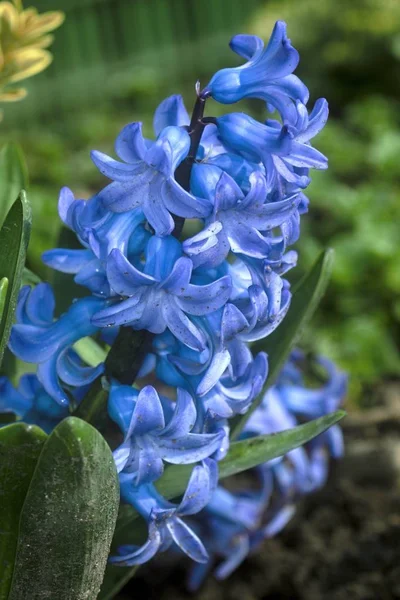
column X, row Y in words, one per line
column 130, row 144
column 113, row 169
column 216, row 369
column 182, row 328
column 227, row 193
column 123, row 277
column 123, row 197
column 187, row 540
column 72, row 372
column 155, row 210
column 203, row 299
column 47, row 375
column 148, row 415
column 132, row 555
column 189, row 449
column 150, row 466
column 121, row 455
column 182, row 203
column 121, row 403
column 40, row 305
column 121, row 313
column 246, row 45
column 305, row 157
column 235, row 558
column 184, row 417
column 179, row 277
column 171, row 111
column 316, row 121
column 201, row 485
column 65, row 260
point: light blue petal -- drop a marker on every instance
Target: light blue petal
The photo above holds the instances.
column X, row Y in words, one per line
column 171, row 111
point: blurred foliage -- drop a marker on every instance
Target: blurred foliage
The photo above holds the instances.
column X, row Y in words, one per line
column 350, row 53
column 24, row 37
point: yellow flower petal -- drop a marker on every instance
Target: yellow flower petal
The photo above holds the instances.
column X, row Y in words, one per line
column 27, row 62
column 13, row 95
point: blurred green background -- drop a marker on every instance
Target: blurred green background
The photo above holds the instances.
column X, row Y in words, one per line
column 115, row 60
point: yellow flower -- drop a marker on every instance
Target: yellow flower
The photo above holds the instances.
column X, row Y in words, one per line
column 24, row 37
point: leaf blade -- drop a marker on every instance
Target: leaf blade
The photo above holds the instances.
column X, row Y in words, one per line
column 68, row 517
column 248, row 453
column 20, row 447
column 13, row 176
column 14, row 239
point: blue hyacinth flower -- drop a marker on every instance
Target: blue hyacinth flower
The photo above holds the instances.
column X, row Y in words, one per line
column 293, row 168
column 273, row 145
column 261, row 295
column 166, row 525
column 146, row 177
column 223, row 379
column 161, row 296
column 37, row 339
column 172, row 112
column 266, row 75
column 31, row 403
column 155, row 430
column 99, row 231
column 234, row 524
column 237, row 220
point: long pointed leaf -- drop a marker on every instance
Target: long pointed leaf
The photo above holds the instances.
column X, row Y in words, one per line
column 248, row 453
column 306, row 297
column 14, row 239
column 3, row 295
column 13, row 176
column 68, row 517
column 20, row 447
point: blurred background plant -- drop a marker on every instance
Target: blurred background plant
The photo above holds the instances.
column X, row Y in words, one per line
column 24, row 37
column 115, row 59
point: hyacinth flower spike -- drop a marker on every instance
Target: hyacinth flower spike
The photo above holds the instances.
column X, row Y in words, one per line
column 165, row 519
column 161, row 296
column 237, row 220
column 266, row 75
column 146, row 178
column 37, row 339
column 149, row 439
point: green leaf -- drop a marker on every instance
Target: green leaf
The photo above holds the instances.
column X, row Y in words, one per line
column 20, row 446
column 14, row 239
column 249, row 453
column 3, row 295
column 68, row 518
column 13, row 176
column 306, row 297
